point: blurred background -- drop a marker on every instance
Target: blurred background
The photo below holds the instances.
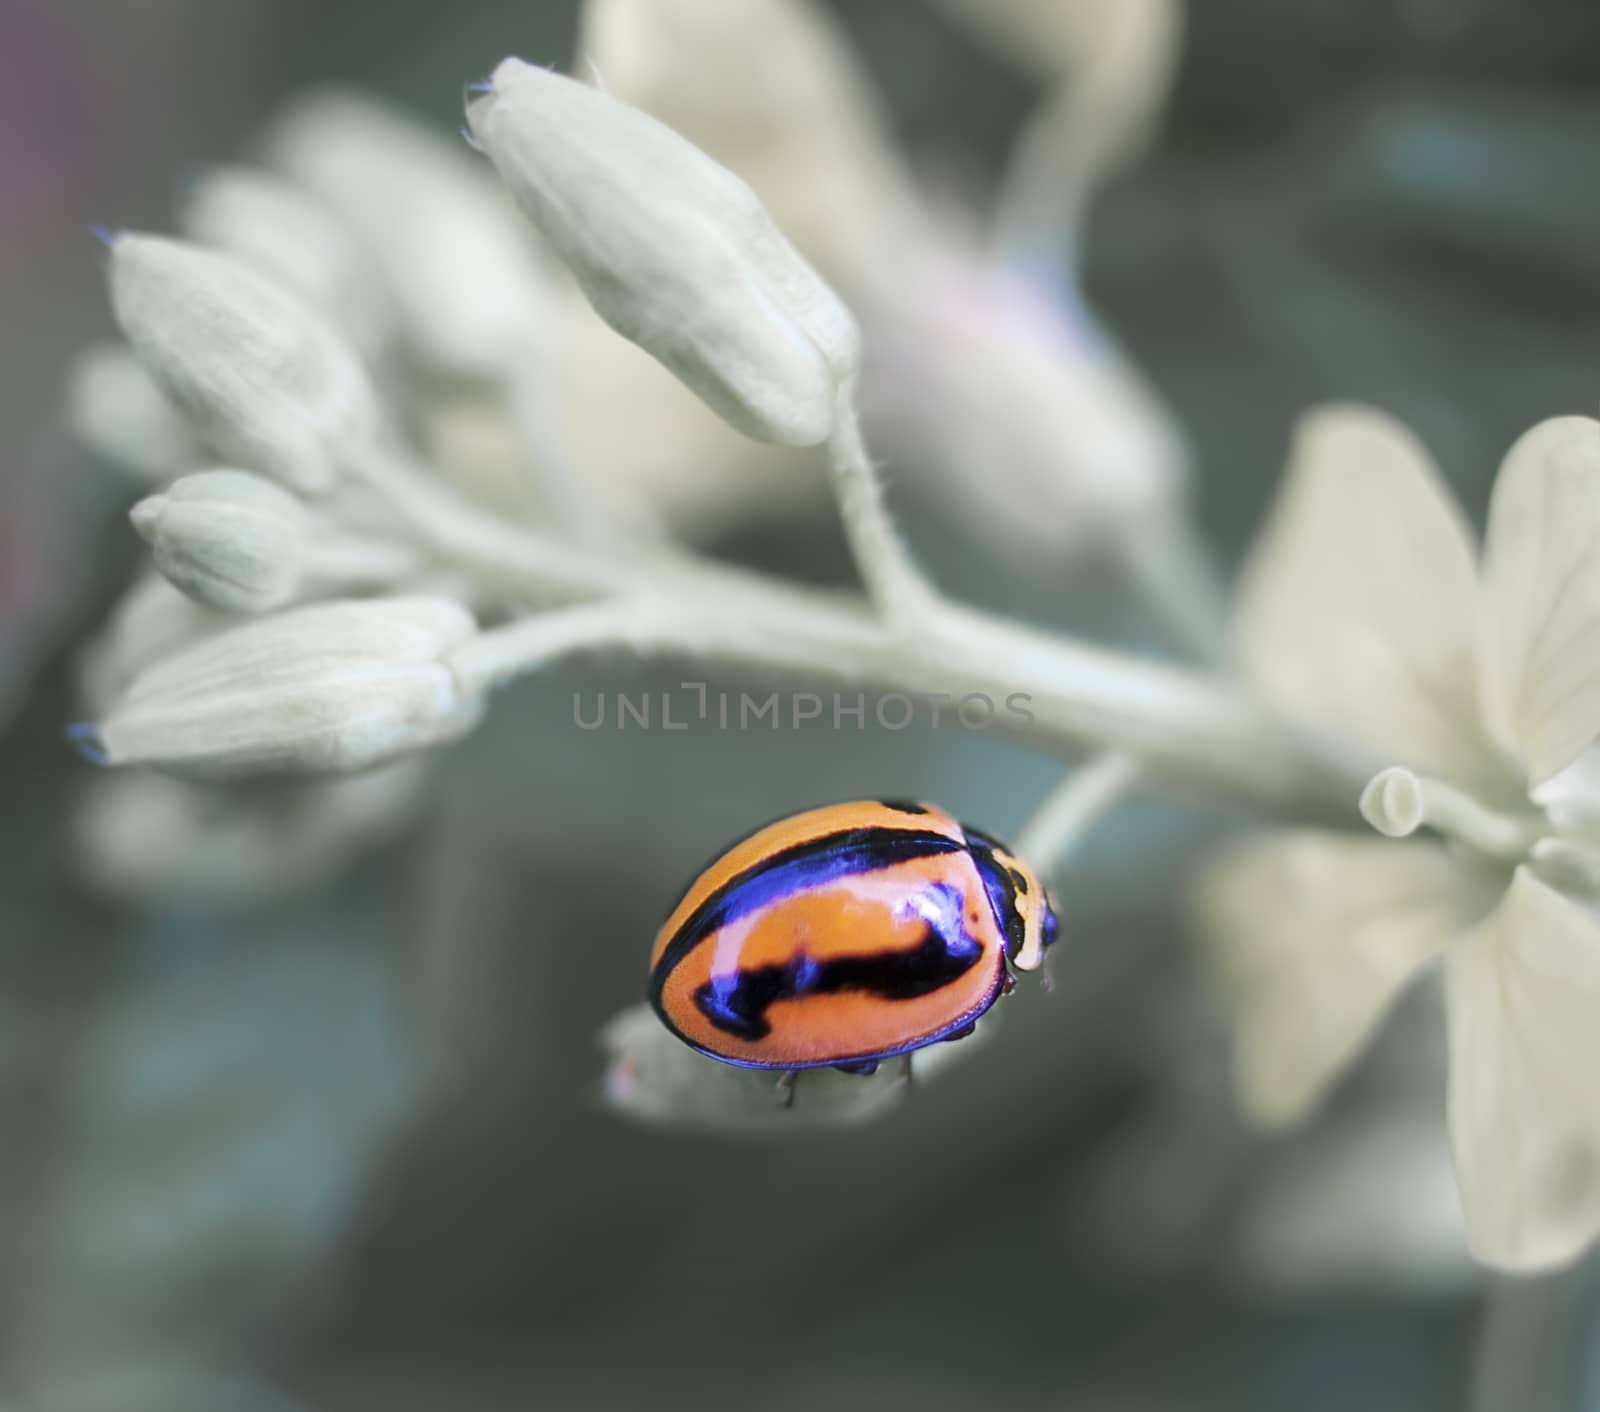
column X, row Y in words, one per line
column 341, row 1144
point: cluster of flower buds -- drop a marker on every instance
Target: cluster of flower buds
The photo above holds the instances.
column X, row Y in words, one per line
column 265, row 391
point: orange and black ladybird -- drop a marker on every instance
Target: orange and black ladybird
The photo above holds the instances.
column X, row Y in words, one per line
column 846, row 935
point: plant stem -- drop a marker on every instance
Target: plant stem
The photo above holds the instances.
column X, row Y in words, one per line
column 893, row 582
column 1188, row 732
column 1074, row 807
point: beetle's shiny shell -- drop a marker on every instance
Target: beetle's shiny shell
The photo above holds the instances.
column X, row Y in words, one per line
column 844, row 935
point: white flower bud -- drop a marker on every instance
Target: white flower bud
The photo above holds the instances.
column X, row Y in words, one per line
column 1036, row 427
column 297, row 240
column 228, row 539
column 653, row 1076
column 116, row 409
column 673, row 251
column 267, row 381
column 1138, row 39
column 774, row 91
column 149, row 839
column 332, row 687
column 461, row 268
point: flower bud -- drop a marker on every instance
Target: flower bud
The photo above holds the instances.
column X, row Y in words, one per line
column 653, row 1076
column 1137, row 39
column 228, row 539
column 1033, row 424
column 295, row 239
column 116, row 410
column 152, row 840
column 334, row 686
column 461, row 268
column 673, row 251
column 773, row 90
column 266, row 380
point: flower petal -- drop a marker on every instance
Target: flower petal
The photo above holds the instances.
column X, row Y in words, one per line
column 1356, row 607
column 1311, row 936
column 1524, row 993
column 1540, row 666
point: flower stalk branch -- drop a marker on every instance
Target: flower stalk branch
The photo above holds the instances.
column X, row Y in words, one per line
column 895, row 585
column 1188, row 732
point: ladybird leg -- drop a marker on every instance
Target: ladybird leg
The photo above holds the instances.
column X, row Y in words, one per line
column 1006, row 987
column 786, row 1083
column 1047, row 978
column 906, row 1071
column 866, row 1067
column 962, row 1033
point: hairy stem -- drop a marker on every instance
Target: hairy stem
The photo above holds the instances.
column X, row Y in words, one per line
column 1187, row 732
column 893, row 582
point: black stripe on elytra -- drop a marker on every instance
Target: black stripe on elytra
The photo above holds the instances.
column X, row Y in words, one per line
column 1000, row 882
column 738, row 1003
column 903, row 806
column 809, row 864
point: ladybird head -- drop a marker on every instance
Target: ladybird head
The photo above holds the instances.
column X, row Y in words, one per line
column 1020, row 901
column 1038, row 914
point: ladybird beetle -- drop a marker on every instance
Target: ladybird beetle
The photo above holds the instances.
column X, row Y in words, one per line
column 844, row 936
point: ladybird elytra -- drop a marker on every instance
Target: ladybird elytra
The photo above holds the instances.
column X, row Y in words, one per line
column 846, row 935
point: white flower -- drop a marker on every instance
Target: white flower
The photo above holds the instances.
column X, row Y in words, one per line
column 266, row 380
column 673, row 250
column 335, row 686
column 228, row 539
column 1363, row 616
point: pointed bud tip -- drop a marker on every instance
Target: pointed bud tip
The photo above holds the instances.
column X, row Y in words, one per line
column 146, row 515
column 85, row 739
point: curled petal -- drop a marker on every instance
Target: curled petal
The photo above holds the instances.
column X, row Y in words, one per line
column 1524, row 1110
column 1355, row 609
column 1540, row 675
column 1311, row 936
